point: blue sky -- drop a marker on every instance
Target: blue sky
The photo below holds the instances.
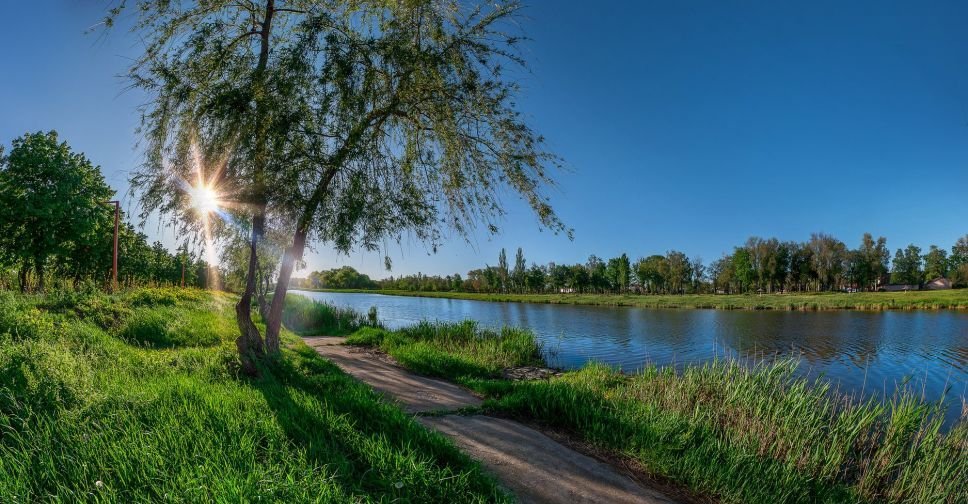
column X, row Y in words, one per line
column 687, row 125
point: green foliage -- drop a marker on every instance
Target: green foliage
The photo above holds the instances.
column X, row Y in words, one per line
column 345, row 277
column 743, row 434
column 956, row 299
column 165, row 327
column 304, row 316
column 936, row 264
column 773, row 437
column 52, row 208
column 55, row 224
column 907, row 268
column 761, row 265
column 462, row 350
column 86, row 416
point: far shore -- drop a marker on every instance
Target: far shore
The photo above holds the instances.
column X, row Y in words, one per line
column 954, row 299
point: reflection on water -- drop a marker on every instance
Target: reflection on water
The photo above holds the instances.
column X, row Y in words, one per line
column 861, row 352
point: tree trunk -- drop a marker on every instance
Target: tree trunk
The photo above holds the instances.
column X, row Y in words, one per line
column 39, row 268
column 24, row 273
column 250, row 343
column 274, row 321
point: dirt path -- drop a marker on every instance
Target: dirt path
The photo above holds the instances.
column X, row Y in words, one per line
column 534, row 467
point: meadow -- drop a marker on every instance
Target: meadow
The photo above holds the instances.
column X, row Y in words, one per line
column 723, row 431
column 135, row 397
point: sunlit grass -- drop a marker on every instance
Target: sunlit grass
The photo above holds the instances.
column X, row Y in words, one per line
column 741, row 434
column 308, row 317
column 135, row 398
column 461, row 350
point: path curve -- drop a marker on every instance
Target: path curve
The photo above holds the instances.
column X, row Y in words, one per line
column 534, row 467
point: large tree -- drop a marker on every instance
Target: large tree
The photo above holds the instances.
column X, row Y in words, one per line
column 348, row 122
column 828, row 254
column 52, row 205
column 959, row 262
column 907, row 266
column 935, row 263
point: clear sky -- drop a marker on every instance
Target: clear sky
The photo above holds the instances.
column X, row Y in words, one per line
column 687, row 125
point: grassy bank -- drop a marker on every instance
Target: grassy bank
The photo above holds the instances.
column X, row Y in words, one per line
column 756, row 435
column 134, row 398
column 307, row 317
column 919, row 300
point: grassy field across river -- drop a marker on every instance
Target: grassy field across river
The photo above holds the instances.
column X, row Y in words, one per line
column 135, row 397
column 723, row 430
column 914, row 300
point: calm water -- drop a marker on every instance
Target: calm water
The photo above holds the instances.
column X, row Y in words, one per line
column 869, row 352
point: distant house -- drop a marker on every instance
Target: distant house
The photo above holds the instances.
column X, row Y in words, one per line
column 938, row 284
column 897, row 288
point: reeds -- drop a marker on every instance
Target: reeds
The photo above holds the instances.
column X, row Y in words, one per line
column 733, row 430
column 306, row 317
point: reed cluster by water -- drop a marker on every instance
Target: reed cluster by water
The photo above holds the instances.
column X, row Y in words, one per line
column 308, row 317
column 724, row 429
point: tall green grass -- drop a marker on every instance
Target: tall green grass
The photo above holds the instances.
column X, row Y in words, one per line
column 725, row 429
column 309, row 317
column 461, row 350
column 135, row 398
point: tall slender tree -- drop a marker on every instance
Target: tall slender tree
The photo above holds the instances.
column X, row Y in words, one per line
column 519, row 273
column 348, row 122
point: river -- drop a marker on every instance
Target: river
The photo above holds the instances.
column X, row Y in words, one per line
column 862, row 353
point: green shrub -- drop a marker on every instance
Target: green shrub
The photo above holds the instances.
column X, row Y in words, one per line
column 367, row 336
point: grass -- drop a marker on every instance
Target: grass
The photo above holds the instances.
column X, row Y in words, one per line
column 915, row 300
column 307, row 317
column 134, row 397
column 737, row 433
column 454, row 350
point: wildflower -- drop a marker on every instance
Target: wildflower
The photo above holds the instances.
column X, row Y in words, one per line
column 398, row 485
column 99, row 484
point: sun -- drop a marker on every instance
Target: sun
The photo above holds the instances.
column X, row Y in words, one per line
column 205, row 199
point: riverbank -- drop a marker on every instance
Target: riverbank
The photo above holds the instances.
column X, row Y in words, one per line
column 956, row 299
column 135, row 397
column 722, row 430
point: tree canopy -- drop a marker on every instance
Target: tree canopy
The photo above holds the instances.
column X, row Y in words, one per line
column 52, row 207
column 349, row 123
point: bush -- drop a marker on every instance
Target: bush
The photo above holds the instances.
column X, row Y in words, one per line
column 367, row 336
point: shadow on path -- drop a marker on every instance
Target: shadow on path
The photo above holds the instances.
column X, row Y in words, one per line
column 533, row 466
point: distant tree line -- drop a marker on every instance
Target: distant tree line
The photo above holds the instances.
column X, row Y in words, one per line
column 339, row 278
column 55, row 224
column 822, row 263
